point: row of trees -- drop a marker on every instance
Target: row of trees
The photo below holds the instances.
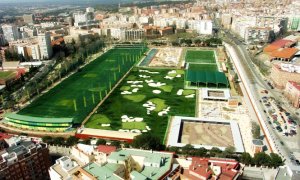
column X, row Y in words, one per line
column 149, row 141
column 209, row 42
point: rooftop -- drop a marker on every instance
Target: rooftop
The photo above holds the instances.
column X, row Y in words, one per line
column 164, row 160
column 284, row 52
column 294, row 84
column 106, row 149
column 103, row 172
column 221, row 168
column 37, row 119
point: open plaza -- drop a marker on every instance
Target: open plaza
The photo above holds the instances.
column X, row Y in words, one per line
column 201, row 132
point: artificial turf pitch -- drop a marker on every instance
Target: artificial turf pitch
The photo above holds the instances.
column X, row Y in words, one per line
column 200, row 56
column 77, row 95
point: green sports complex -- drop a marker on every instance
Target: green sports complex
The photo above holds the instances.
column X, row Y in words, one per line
column 202, row 70
column 69, row 102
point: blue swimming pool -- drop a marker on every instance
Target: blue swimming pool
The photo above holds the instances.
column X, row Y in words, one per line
column 146, row 61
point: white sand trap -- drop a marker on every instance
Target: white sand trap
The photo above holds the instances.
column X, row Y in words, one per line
column 151, row 108
column 148, row 112
column 153, row 72
column 148, row 128
column 123, row 130
column 126, row 92
column 161, row 113
column 149, row 81
column 105, row 125
column 167, row 109
column 179, row 92
column 178, row 75
column 135, row 131
column 138, row 119
column 129, row 82
column 156, row 91
column 172, row 72
column 138, row 85
column 158, row 84
column 135, row 90
column 190, row 96
column 144, row 131
column 141, row 70
column 144, row 76
column 169, row 77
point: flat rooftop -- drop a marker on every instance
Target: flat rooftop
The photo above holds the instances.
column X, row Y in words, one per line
column 228, row 132
column 107, row 134
column 215, row 94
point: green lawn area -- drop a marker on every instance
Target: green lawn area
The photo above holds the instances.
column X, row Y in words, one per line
column 200, row 56
column 7, row 74
column 131, row 105
column 203, row 67
column 86, row 87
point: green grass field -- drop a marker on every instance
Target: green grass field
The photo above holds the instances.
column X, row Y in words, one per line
column 200, row 56
column 85, row 88
column 131, row 105
column 7, row 74
column 203, row 67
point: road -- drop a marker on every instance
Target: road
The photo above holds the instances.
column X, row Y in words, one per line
column 255, row 83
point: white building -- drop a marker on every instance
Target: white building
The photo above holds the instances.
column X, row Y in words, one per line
column 132, row 34
column 63, row 169
column 45, row 45
column 10, row 32
column 35, row 51
column 201, row 26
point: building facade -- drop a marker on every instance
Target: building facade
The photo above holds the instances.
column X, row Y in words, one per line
column 25, row 160
column 10, row 32
column 292, row 92
column 45, row 45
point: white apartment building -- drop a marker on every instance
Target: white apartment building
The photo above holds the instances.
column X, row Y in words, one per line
column 45, row 45
column 132, row 34
column 257, row 34
column 10, row 32
column 63, row 169
column 201, row 26
column 34, row 49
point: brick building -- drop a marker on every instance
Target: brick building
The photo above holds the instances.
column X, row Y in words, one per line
column 280, row 77
column 25, row 160
column 292, row 92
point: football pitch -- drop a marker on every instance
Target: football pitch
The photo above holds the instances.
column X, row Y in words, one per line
column 200, row 56
column 203, row 67
column 77, row 95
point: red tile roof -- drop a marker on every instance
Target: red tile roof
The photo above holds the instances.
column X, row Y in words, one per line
column 284, row 53
column 106, row 149
column 202, row 166
column 296, row 85
column 278, row 44
column 5, row 136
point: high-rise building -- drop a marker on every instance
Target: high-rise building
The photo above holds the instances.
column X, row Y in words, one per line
column 45, row 45
column 28, row 18
column 10, row 32
column 25, row 160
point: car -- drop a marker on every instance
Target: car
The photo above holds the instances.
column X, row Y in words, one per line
column 292, row 133
column 265, row 111
column 297, row 162
column 270, row 122
column 286, row 134
column 279, row 128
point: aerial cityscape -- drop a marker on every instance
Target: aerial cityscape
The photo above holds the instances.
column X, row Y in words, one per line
column 150, row 89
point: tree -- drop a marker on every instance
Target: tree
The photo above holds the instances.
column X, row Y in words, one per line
column 58, row 141
column 71, row 141
column 201, row 152
column 275, row 160
column 188, row 149
column 215, row 152
column 246, row 158
column 147, row 141
column 228, row 152
column 101, row 142
column 86, row 141
column 116, row 143
column 255, row 130
column 47, row 139
column 261, row 159
column 173, row 149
